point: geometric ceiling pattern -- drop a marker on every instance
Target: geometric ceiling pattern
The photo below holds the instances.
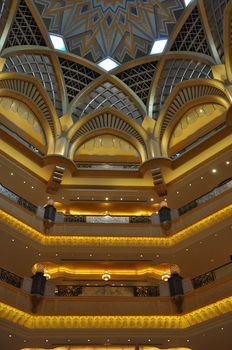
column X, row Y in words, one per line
column 192, row 35
column 24, row 30
column 95, row 29
column 121, row 29
column 107, row 95
column 215, row 11
column 139, row 79
column 76, row 77
column 40, row 67
column 174, row 72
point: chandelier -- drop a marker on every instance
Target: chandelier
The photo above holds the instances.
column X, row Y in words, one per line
column 106, row 276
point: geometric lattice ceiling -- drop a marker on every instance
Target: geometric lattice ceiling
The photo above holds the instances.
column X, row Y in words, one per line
column 124, row 29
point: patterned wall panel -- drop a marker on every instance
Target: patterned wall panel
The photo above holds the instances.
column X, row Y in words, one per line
column 107, row 95
column 123, row 29
column 76, row 77
column 175, row 71
column 139, row 79
column 215, row 13
column 39, row 67
column 24, row 30
column 192, row 36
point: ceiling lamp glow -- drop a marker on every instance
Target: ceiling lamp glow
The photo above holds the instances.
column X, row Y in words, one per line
column 58, row 42
column 108, row 64
column 158, row 46
column 187, row 2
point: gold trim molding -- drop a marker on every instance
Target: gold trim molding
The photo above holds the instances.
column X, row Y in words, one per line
column 101, row 241
column 184, row 321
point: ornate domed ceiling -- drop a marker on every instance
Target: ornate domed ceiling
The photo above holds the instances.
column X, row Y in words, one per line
column 123, row 30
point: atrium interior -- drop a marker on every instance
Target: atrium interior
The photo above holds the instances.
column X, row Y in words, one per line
column 115, row 174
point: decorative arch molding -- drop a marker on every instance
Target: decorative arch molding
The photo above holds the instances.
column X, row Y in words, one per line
column 173, row 68
column 83, row 139
column 187, row 107
column 111, row 119
column 185, row 92
column 30, row 88
column 36, row 111
column 228, row 40
column 84, row 101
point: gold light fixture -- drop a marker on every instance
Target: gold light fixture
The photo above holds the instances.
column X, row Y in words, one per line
column 165, row 277
column 106, row 276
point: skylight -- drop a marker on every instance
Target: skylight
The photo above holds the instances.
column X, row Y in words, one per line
column 108, row 64
column 58, row 42
column 158, row 46
column 187, row 2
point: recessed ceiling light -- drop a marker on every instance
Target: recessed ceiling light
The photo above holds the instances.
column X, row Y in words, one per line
column 24, row 182
column 46, row 340
column 108, row 64
column 141, row 255
column 214, row 171
column 137, row 199
column 39, row 254
column 158, row 46
column 157, row 255
column 177, row 192
column 121, row 199
column 90, row 254
column 187, row 2
column 57, row 254
column 12, row 240
column 190, row 185
column 26, row 247
column 202, row 177
column 78, row 197
column 12, row 174
column 128, row 340
column 169, row 340
column 188, row 340
column 149, row 340
column 107, row 198
column 88, row 340
column 227, row 162
column 10, row 335
column 32, row 187
column 58, row 42
column 187, row 249
column 152, row 199
column 24, row 341
column 222, row 328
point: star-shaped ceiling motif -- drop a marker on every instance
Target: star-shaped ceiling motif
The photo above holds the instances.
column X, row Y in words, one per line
column 122, row 29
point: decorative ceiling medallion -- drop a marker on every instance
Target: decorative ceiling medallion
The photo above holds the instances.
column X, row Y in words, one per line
column 121, row 29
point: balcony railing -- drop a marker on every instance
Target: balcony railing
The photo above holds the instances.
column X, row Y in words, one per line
column 95, row 219
column 110, row 289
column 10, row 278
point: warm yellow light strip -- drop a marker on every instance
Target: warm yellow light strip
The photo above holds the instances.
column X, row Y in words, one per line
column 192, row 318
column 58, row 240
column 94, row 270
column 108, row 347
